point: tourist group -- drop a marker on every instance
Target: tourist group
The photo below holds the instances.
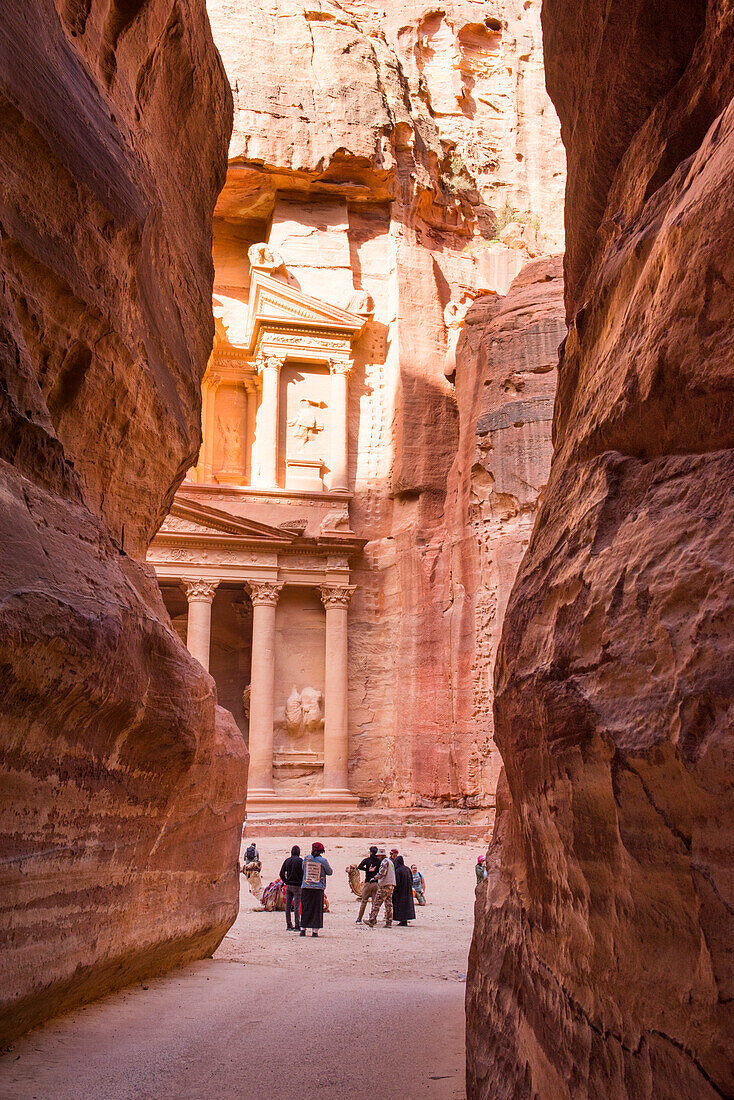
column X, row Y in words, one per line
column 388, row 881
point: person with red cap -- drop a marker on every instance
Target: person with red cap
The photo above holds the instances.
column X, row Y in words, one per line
column 480, row 870
column 315, row 870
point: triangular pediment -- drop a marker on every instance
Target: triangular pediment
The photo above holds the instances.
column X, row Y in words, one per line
column 189, row 517
column 277, row 303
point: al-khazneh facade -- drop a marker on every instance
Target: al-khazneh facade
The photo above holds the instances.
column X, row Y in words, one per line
column 254, row 558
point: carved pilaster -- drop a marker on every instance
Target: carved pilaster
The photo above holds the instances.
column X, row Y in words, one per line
column 337, row 595
column 264, row 592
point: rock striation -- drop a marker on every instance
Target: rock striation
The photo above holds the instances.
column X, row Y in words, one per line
column 121, row 782
column 413, row 155
column 602, row 957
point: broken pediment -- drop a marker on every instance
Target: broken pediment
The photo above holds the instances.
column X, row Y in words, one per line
column 189, row 517
column 275, row 303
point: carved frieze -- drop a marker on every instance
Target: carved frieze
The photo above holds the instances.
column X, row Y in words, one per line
column 313, row 340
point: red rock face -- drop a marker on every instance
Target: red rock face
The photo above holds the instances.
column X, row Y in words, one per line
column 602, row 959
column 122, row 785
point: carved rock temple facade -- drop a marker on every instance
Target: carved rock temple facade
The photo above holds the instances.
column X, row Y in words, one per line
column 254, row 561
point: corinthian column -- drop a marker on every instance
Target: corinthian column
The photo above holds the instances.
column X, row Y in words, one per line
column 267, row 428
column 199, row 627
column 335, row 599
column 339, row 369
column 264, row 597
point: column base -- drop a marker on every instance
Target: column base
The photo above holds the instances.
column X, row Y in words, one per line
column 340, row 795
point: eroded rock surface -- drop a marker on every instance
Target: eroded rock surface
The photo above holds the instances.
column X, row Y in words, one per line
column 122, row 785
column 390, row 162
column 602, row 961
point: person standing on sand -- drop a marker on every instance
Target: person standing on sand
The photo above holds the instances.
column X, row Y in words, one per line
column 402, row 898
column 291, row 873
column 385, row 886
column 480, row 870
column 419, row 885
column 370, row 865
column 315, row 870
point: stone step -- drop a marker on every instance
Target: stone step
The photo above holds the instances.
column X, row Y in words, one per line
column 375, row 824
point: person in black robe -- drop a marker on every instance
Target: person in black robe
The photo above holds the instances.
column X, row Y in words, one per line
column 402, row 896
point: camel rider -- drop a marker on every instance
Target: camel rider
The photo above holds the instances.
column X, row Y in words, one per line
column 370, row 865
column 252, row 856
column 385, row 886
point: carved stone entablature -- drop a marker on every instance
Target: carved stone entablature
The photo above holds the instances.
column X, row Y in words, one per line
column 230, row 368
column 314, row 341
column 333, row 595
column 264, row 592
column 198, row 590
column 336, row 563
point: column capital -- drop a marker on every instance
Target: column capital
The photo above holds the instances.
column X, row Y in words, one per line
column 264, row 592
column 337, row 595
column 340, row 366
column 199, row 590
column 269, row 362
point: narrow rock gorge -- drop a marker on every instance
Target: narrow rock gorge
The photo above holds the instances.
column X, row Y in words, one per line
column 121, row 783
column 602, row 956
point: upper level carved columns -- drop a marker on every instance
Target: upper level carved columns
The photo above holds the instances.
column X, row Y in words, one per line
column 210, row 385
column 264, row 595
column 339, row 370
column 252, row 465
column 269, row 367
column 199, row 628
column 335, row 599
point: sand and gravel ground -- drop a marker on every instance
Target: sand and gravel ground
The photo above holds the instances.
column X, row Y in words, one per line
column 357, row 1013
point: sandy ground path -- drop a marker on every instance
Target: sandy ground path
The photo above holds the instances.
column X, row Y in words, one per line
column 275, row 1015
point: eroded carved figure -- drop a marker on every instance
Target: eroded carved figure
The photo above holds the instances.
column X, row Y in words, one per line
column 231, row 435
column 335, row 521
column 263, row 256
column 305, row 423
column 361, row 302
column 303, row 713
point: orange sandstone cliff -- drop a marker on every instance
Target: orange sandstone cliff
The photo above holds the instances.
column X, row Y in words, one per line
column 603, row 955
column 121, row 782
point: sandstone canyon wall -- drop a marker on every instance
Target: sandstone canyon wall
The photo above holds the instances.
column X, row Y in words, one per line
column 122, row 785
column 389, row 160
column 602, row 961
